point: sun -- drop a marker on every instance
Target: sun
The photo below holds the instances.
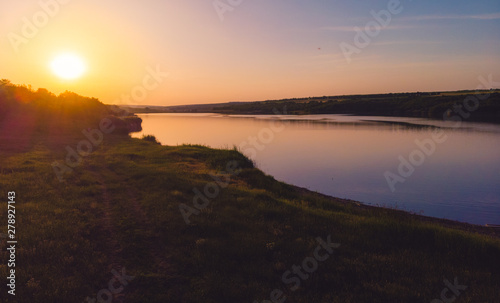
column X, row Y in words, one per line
column 68, row 66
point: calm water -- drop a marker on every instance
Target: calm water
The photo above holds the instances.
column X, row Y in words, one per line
column 347, row 157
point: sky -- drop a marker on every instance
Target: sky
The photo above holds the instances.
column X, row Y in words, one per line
column 174, row 52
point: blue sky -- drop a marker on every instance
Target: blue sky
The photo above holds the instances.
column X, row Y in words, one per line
column 260, row 49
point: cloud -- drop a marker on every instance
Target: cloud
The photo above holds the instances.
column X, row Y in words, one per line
column 352, row 28
column 406, row 42
column 493, row 16
column 338, row 28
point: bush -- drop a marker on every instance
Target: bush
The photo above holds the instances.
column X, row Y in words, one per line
column 150, row 138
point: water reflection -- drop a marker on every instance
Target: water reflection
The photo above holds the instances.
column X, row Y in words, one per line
column 346, row 156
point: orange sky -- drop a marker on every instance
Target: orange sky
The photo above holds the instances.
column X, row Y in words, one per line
column 255, row 51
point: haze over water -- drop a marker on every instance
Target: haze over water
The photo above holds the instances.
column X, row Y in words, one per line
column 347, row 156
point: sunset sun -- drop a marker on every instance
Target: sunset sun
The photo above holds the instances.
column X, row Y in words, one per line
column 68, row 66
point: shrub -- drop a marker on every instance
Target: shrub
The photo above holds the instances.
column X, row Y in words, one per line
column 150, row 138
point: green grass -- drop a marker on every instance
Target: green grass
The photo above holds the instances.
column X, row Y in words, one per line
column 120, row 208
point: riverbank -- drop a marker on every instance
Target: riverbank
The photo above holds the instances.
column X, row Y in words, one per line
column 125, row 206
column 350, row 156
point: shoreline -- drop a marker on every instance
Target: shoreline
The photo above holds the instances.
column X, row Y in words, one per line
column 482, row 218
column 464, row 226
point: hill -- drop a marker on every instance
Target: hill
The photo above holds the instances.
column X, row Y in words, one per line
column 26, row 114
column 480, row 106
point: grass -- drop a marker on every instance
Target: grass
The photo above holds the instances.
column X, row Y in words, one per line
column 120, row 208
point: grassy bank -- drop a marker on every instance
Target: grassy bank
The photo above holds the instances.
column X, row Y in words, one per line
column 120, row 209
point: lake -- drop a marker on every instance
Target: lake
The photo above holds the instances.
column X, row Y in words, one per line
column 435, row 168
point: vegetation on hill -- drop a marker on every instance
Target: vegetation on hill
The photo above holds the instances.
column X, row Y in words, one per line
column 23, row 109
column 427, row 105
column 194, row 224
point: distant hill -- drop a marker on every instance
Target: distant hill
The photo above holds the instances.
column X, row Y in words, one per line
column 475, row 105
